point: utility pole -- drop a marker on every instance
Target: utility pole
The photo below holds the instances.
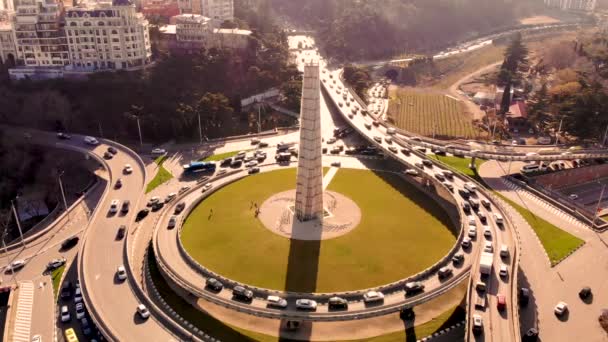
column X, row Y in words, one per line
column 18, row 222
column 7, row 260
column 559, row 131
column 200, row 129
column 259, row 120
column 599, row 201
column 141, row 141
column 65, row 203
column 100, row 130
column 605, row 136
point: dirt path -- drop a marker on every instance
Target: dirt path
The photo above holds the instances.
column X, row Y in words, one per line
column 471, row 107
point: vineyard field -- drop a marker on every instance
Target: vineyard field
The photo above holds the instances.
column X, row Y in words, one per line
column 430, row 114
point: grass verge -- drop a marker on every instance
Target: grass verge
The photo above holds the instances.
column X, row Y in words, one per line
column 220, row 156
column 557, row 243
column 56, row 276
column 162, row 175
column 352, row 261
column 462, row 165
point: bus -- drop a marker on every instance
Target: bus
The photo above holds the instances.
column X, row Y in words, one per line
column 199, row 167
column 70, row 335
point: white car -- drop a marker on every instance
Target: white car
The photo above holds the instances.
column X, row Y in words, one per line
column 121, row 273
column 504, row 271
column 15, row 265
column 561, row 308
column 65, row 314
column 80, row 311
column 207, row 187
column 472, row 221
column 159, row 151
column 488, row 247
column 77, row 295
column 573, row 197
column 170, row 197
column 91, row 141
column 306, row 304
column 114, row 206
column 127, row 169
column 411, row 172
column 477, row 324
column 472, row 231
column 277, row 302
column 373, row 296
column 251, row 163
column 466, row 242
column 143, row 312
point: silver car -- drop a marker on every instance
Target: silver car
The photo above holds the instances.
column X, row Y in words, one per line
column 306, row 304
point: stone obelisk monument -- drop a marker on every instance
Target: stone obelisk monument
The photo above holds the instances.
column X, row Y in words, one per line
column 309, row 189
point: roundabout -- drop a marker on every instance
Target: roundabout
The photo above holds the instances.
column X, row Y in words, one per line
column 397, row 232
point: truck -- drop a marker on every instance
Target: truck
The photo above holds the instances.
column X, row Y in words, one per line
column 485, row 263
column 197, row 166
column 283, row 157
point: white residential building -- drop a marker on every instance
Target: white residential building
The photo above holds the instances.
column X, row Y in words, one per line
column 194, row 31
column 580, row 5
column 218, row 10
column 8, row 51
column 39, row 35
column 107, row 36
column 7, row 5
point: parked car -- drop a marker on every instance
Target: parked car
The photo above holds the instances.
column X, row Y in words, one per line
column 125, row 206
column 306, row 304
column 501, row 302
column 503, row 271
column 112, row 150
column 63, row 136
column 15, row 266
column 444, row 272
column 585, row 293
column 524, row 296
column 78, row 295
column 277, row 302
column 108, row 155
column 66, row 290
column 118, row 184
column 458, row 258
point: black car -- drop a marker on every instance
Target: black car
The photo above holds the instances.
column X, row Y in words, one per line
column 531, row 335
column 64, row 136
column 70, row 242
column 118, row 184
column 324, row 150
column 458, row 258
column 125, row 206
column 180, row 207
column 337, row 303
column 112, row 150
column 524, row 296
column 253, row 170
column 413, row 287
column 405, row 151
column 236, row 163
column 141, row 214
column 66, row 290
column 157, row 206
column 241, row 293
column 263, row 144
column 108, row 155
column 121, row 232
column 226, row 162
column 585, row 292
column 214, row 284
column 464, row 193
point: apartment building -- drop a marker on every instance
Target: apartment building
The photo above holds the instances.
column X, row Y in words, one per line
column 39, row 35
column 7, row 5
column 8, row 51
column 194, row 32
column 107, row 36
column 218, row 10
column 580, row 5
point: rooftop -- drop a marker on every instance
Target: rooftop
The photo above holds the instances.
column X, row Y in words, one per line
column 190, row 18
column 232, row 31
column 168, row 29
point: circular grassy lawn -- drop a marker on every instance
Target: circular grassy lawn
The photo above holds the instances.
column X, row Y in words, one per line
column 402, row 232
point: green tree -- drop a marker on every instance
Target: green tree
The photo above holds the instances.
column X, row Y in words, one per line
column 538, row 111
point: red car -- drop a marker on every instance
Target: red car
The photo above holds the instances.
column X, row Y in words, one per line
column 501, row 302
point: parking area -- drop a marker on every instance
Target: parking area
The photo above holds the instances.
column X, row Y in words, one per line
column 588, row 194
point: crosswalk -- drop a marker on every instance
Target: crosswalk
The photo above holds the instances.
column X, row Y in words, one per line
column 548, row 206
column 23, row 315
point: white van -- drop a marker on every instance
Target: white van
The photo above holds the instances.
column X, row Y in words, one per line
column 498, row 218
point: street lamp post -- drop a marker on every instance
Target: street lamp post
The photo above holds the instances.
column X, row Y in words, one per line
column 200, row 129
column 65, row 203
column 141, row 141
column 7, row 259
column 599, row 201
column 18, row 222
column 559, row 131
column 605, row 136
